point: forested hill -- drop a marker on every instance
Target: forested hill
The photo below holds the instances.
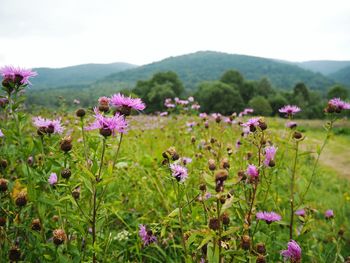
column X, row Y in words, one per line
column 75, row 75
column 342, row 76
column 208, row 65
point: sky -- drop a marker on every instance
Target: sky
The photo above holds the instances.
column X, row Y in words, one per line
column 58, row 33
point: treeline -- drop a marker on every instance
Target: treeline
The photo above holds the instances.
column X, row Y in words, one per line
column 230, row 93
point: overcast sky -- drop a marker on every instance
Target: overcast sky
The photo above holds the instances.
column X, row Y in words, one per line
column 59, row 33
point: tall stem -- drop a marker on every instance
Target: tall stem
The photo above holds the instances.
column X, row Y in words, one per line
column 292, row 182
column 180, row 219
column 116, row 155
column 84, row 139
column 94, row 211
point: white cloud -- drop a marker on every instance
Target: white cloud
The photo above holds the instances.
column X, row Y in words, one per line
column 60, row 33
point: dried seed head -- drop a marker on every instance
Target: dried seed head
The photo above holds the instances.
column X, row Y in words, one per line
column 202, row 187
column 66, row 173
column 66, row 144
column 225, row 164
column 3, row 163
column 214, row 223
column 2, row 221
column 3, row 185
column 76, row 193
column 225, row 219
column 55, row 218
column 262, row 125
column 14, row 254
column 36, row 225
column 193, row 139
column 80, row 113
column 59, row 237
column 245, row 242
column 260, row 259
column 21, row 199
column 221, row 175
column 212, row 165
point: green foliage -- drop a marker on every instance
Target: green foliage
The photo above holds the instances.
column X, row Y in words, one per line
column 261, row 106
column 232, row 77
column 338, row 91
column 264, row 88
column 277, row 101
column 216, row 96
column 342, row 76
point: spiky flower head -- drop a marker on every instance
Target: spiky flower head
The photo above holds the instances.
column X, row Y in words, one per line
column 48, row 126
column 179, row 172
column 270, row 153
column 268, row 217
column 293, row 252
column 108, row 125
column 16, row 75
column 146, row 235
column 289, row 110
column 125, row 104
column 252, row 171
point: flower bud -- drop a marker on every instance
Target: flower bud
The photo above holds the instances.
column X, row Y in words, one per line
column 193, row 139
column 3, row 185
column 225, row 164
column 14, row 254
column 105, row 132
column 245, row 242
column 260, row 259
column 212, row 165
column 59, row 237
column 3, row 163
column 202, row 187
column 80, row 113
column 225, row 219
column 260, row 248
column 2, row 221
column 103, row 108
column 21, row 199
column 36, row 225
column 76, row 193
column 297, row 135
column 221, row 175
column 66, row 144
column 262, row 125
column 214, row 223
column 66, row 173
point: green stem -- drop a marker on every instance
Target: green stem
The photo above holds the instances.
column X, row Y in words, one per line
column 84, row 139
column 292, row 183
column 180, row 219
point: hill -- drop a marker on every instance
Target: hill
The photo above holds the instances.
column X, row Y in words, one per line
column 75, row 75
column 325, row 67
column 207, row 65
column 342, row 76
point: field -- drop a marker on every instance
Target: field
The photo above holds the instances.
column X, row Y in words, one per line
column 178, row 188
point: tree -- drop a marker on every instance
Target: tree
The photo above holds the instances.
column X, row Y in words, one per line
column 301, row 91
column 232, row 77
column 247, row 90
column 216, row 96
column 277, row 101
column 261, row 106
column 338, row 91
column 264, row 88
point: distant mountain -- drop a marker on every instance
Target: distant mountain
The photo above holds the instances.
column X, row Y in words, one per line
column 326, row 67
column 342, row 76
column 75, row 75
column 208, row 65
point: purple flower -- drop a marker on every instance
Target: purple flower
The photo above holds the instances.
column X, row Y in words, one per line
column 179, row 172
column 253, row 122
column 47, row 125
column 190, row 124
column 162, row 114
column 289, row 109
column 270, row 153
column 107, row 125
column 338, row 105
column 291, row 124
column 268, row 217
column 203, row 115
column 186, row 160
column 252, row 171
column 53, row 179
column 1, row 134
column 121, row 101
column 146, row 235
column 238, row 144
column 169, row 103
column 195, row 106
column 329, row 214
column 293, row 252
column 18, row 74
column 300, row 212
column 103, row 100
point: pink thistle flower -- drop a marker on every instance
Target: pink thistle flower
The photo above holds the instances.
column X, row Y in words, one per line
column 121, row 101
column 146, row 235
column 238, row 144
column 300, row 212
column 289, row 110
column 291, row 124
column 108, row 125
column 47, row 125
column 253, row 122
column 1, row 134
column 186, row 160
column 103, row 100
column 293, row 252
column 268, row 217
column 163, row 114
column 203, row 115
column 252, row 171
column 195, row 106
column 329, row 214
column 179, row 172
column 190, row 124
column 338, row 104
column 270, row 153
column 17, row 74
column 53, row 179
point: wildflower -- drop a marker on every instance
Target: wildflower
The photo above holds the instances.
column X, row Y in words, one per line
column 268, row 217
column 270, row 153
column 217, row 117
column 190, row 124
column 252, row 124
column 103, row 104
column 146, row 235
column 291, row 124
column 21, row 198
column 289, row 110
column 66, row 173
column 245, row 242
column 16, row 76
column 80, row 113
column 293, row 252
column 261, row 248
column 53, row 179
column 48, row 126
column 14, row 254
column 125, row 104
column 179, row 172
column 66, row 144
column 190, row 99
column 337, row 105
column 76, row 193
column 1, row 134
column 329, row 214
column 214, row 223
column 108, row 125
column 162, row 114
column 169, row 103
column 3, row 185
column 203, row 115
column 186, row 160
column 195, row 106
column 252, row 171
column 36, row 225
column 300, row 212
